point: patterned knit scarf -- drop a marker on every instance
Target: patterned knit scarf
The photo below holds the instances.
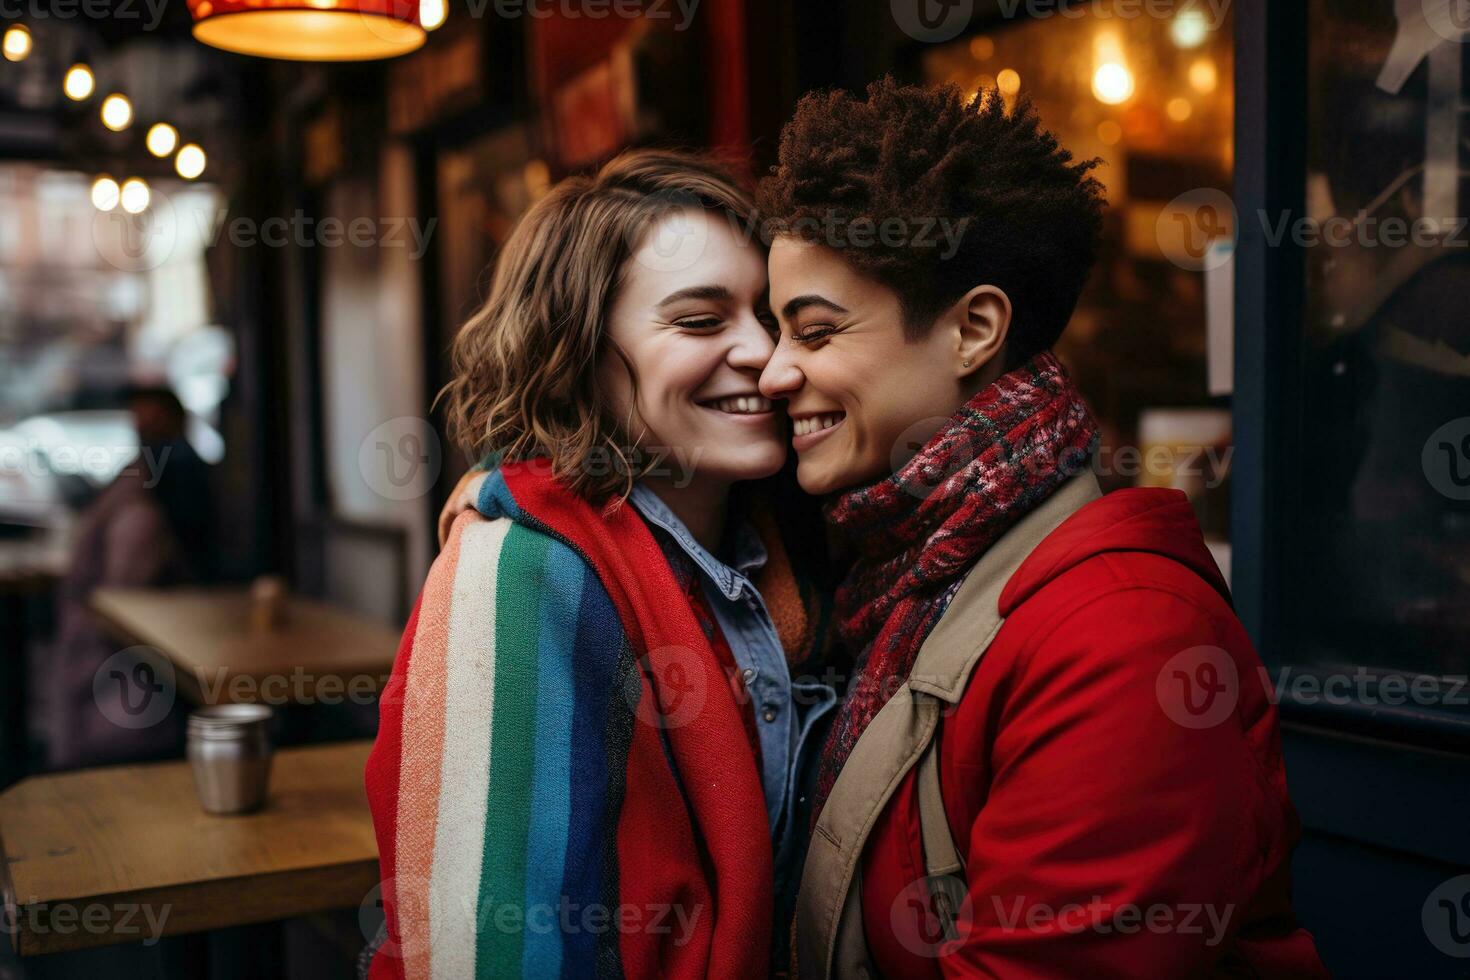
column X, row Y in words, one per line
column 918, row 531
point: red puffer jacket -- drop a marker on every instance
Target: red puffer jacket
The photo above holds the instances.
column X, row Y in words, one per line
column 1112, row 776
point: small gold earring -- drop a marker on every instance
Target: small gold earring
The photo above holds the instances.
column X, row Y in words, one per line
column 967, row 363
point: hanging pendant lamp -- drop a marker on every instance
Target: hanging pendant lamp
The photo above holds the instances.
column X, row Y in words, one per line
column 310, row 30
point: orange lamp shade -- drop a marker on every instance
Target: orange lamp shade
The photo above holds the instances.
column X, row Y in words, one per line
column 310, row 30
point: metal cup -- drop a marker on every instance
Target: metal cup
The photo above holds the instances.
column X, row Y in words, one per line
column 229, row 751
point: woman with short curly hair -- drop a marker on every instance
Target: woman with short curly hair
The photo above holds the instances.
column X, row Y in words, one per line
column 1058, row 757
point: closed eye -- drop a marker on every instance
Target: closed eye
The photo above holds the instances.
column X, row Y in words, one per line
column 814, row 333
column 699, row 323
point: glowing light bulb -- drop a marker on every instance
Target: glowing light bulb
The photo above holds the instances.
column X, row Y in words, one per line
column 1112, row 84
column 1203, row 76
column 78, row 83
column 134, row 195
column 117, row 112
column 1008, row 81
column 1190, row 28
column 104, row 193
column 162, row 138
column 1179, row 109
column 190, row 161
column 16, row 43
column 432, row 14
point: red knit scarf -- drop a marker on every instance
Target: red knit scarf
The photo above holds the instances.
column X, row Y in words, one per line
column 918, row 531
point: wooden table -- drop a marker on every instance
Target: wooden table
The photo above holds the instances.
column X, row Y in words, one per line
column 122, row 853
column 319, row 653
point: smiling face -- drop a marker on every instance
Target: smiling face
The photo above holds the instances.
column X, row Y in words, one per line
column 862, row 396
column 694, row 324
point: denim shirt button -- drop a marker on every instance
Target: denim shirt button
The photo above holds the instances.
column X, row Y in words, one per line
column 769, row 714
column 748, row 673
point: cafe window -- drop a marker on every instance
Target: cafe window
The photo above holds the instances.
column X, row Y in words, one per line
column 1150, row 344
column 1382, row 557
column 94, row 298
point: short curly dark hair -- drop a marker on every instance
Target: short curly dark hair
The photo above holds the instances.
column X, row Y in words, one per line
column 1028, row 217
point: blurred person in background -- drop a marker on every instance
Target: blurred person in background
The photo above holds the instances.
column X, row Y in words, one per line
column 151, row 527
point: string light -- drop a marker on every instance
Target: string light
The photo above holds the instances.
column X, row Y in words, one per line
column 190, row 161
column 1112, row 84
column 16, row 43
column 432, row 14
column 162, row 138
column 117, row 115
column 117, row 112
column 1204, row 78
column 1190, row 28
column 78, row 83
column 134, row 195
column 105, row 193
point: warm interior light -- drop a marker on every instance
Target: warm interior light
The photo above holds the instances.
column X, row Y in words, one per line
column 312, row 30
column 104, row 193
column 134, row 195
column 162, row 138
column 1179, row 109
column 190, row 161
column 1008, row 81
column 17, row 42
column 432, row 13
column 1203, row 76
column 1109, row 132
column 1190, row 28
column 117, row 112
column 78, row 83
column 1112, row 84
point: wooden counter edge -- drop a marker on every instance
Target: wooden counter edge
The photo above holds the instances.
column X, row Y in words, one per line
column 194, row 907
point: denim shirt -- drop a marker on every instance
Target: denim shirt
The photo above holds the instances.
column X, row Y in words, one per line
column 786, row 711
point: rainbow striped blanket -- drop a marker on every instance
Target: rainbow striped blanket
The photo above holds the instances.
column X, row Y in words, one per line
column 560, row 785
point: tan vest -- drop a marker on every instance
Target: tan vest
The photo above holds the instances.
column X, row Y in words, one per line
column 829, row 926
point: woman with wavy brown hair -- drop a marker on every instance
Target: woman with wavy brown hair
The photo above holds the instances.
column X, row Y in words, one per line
column 588, row 745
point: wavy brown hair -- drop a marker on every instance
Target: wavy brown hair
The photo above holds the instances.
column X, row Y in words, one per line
column 525, row 365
